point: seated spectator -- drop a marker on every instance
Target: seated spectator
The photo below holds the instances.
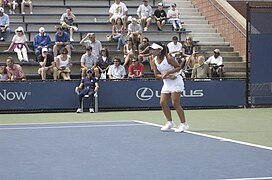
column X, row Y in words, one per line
column 118, row 33
column 118, row 10
column 173, row 18
column 135, row 31
column 61, row 40
column 103, row 63
column 129, row 52
column 14, row 71
column 216, row 64
column 88, row 86
column 2, row 3
column 63, row 64
column 89, row 40
column 19, row 44
column 67, row 19
column 117, row 71
column 27, row 3
column 175, row 48
column 88, row 61
column 42, row 40
column 201, row 70
column 47, row 65
column 4, row 25
column 144, row 13
column 144, row 53
column 3, row 73
column 160, row 16
column 12, row 5
column 136, row 69
column 189, row 53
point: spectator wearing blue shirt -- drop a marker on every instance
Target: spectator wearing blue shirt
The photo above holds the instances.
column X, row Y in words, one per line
column 88, row 86
column 62, row 39
column 4, row 25
column 42, row 40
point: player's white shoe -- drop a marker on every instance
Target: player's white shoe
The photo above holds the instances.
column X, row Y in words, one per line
column 182, row 127
column 91, row 110
column 79, row 110
column 168, row 126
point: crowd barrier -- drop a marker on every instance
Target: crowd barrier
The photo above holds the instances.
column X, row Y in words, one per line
column 118, row 94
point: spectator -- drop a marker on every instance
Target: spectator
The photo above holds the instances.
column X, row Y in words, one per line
column 117, row 71
column 173, row 18
column 19, row 44
column 160, row 16
column 135, row 31
column 118, row 33
column 63, row 64
column 27, row 3
column 3, row 73
column 14, row 71
column 42, row 40
column 61, row 40
column 216, row 64
column 12, row 5
column 88, row 86
column 118, row 10
column 4, row 25
column 2, row 3
column 175, row 48
column 201, row 70
column 144, row 52
column 88, row 61
column 129, row 51
column 47, row 65
column 67, row 20
column 144, row 13
column 89, row 40
column 189, row 52
column 136, row 69
column 103, row 63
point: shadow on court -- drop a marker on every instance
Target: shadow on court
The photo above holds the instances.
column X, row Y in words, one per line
column 123, row 150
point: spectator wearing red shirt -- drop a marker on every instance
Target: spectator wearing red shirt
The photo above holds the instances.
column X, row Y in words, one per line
column 14, row 71
column 136, row 69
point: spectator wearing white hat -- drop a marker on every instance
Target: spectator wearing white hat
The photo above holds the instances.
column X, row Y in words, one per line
column 47, row 65
column 27, row 3
column 216, row 63
column 144, row 13
column 19, row 44
column 160, row 16
column 4, row 25
column 41, row 40
column 135, row 31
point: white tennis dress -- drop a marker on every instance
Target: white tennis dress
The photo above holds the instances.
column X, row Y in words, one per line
column 169, row 86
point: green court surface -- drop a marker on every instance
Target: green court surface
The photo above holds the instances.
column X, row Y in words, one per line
column 252, row 125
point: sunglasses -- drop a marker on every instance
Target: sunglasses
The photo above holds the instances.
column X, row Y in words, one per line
column 115, row 61
column 133, row 61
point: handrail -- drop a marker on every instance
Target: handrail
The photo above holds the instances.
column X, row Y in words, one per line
column 227, row 18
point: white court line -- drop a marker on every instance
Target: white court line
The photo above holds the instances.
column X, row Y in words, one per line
column 71, row 126
column 214, row 137
column 260, row 178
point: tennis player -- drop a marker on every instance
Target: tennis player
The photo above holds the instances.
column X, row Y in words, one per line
column 167, row 68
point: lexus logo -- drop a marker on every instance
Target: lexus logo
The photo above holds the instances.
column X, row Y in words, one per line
column 144, row 94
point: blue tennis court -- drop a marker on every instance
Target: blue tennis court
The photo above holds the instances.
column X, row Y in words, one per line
column 124, row 150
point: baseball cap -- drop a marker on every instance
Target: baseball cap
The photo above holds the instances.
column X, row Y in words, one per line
column 41, row 30
column 20, row 29
column 44, row 49
column 133, row 19
column 1, row 9
column 174, row 4
column 160, row 4
column 155, row 46
column 216, row 51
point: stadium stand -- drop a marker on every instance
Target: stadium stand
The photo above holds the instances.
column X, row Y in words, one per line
column 92, row 16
